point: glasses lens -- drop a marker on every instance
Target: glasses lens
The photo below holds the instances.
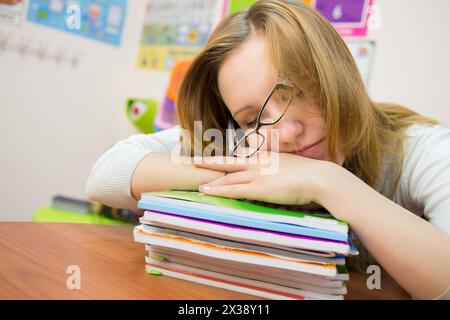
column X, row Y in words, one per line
column 277, row 104
column 249, row 145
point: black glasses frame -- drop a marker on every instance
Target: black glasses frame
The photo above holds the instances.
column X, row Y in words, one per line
column 260, row 124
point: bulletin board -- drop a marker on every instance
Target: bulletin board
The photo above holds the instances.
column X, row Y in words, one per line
column 100, row 20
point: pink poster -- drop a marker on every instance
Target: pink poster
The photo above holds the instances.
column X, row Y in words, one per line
column 349, row 17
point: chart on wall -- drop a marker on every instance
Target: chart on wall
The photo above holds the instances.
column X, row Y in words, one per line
column 100, row 20
column 176, row 30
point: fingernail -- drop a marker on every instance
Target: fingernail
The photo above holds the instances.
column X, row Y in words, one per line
column 204, row 187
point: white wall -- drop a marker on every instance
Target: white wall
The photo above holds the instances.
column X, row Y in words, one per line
column 56, row 120
column 412, row 64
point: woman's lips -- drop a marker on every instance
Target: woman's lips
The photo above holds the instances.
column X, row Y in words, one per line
column 310, row 150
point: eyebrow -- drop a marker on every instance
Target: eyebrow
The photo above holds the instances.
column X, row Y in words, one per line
column 242, row 109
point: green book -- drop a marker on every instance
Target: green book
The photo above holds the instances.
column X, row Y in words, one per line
column 48, row 214
column 201, row 202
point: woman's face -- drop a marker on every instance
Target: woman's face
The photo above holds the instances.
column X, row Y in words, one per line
column 245, row 80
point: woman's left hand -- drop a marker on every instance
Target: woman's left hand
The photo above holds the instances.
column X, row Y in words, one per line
column 281, row 178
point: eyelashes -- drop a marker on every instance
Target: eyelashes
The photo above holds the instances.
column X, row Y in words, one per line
column 250, row 124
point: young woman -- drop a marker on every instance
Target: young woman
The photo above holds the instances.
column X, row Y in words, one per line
column 281, row 68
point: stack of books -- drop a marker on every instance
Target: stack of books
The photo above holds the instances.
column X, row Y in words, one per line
column 243, row 246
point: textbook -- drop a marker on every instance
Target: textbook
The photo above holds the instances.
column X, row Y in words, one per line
column 229, row 241
column 255, row 235
column 249, row 286
column 222, row 253
column 232, row 211
column 237, row 245
column 268, row 275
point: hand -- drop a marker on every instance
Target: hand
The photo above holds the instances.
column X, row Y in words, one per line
column 281, row 178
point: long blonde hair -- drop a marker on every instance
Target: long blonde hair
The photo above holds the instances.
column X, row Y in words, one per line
column 305, row 48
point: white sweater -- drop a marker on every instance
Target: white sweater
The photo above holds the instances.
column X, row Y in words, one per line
column 424, row 185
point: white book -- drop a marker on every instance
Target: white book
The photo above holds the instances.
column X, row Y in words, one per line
column 227, row 254
column 285, row 278
column 274, row 251
column 257, row 275
column 234, row 283
column 263, row 237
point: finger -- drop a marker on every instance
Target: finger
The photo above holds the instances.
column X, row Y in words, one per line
column 235, row 191
column 240, row 177
column 227, row 164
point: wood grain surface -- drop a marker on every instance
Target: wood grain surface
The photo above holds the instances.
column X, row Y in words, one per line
column 34, row 258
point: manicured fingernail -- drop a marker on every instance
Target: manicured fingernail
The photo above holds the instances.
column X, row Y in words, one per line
column 204, row 187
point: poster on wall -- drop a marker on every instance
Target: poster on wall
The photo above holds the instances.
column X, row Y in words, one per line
column 349, row 17
column 11, row 13
column 176, row 30
column 100, row 20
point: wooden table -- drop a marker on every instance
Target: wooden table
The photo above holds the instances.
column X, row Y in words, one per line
column 34, row 258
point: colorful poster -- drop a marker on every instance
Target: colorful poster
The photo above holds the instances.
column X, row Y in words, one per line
column 176, row 30
column 100, row 20
column 349, row 17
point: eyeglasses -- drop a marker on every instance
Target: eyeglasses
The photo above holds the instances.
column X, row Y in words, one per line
column 271, row 112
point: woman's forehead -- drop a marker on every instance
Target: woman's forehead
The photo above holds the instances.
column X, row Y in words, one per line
column 247, row 75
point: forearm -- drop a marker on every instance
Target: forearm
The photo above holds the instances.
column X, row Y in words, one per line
column 157, row 171
column 413, row 251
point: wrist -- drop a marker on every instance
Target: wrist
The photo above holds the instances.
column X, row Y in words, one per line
column 332, row 191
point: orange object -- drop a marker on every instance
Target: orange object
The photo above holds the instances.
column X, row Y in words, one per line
column 176, row 76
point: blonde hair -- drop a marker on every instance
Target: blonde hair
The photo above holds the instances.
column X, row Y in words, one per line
column 305, row 48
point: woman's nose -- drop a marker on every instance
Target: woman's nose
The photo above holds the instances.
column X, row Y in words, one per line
column 283, row 136
column 289, row 132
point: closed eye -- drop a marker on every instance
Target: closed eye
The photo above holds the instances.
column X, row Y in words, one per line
column 250, row 124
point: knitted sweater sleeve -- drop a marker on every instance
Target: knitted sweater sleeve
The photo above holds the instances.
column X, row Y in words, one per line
column 109, row 181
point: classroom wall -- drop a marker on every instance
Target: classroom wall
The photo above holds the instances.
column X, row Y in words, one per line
column 412, row 65
column 56, row 120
